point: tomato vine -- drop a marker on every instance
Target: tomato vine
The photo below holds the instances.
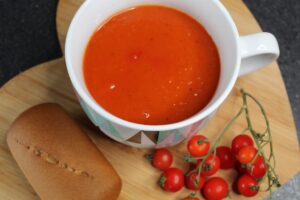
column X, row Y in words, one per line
column 261, row 139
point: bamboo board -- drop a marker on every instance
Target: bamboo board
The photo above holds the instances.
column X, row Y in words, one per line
column 49, row 82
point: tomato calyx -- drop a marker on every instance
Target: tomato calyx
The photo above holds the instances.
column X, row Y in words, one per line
column 254, row 187
column 192, row 195
column 202, row 141
column 196, row 183
column 247, row 166
column 247, row 185
column 149, row 157
column 172, row 180
column 162, row 181
column 207, row 167
column 188, row 158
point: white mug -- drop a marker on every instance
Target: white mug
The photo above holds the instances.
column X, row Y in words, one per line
column 239, row 56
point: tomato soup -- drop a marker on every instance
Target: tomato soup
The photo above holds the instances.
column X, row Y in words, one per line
column 151, row 65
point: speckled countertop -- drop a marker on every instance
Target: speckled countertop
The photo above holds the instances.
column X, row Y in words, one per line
column 28, row 37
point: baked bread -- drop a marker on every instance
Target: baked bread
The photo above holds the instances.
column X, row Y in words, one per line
column 58, row 158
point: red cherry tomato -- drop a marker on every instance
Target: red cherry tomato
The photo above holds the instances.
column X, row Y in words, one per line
column 210, row 166
column 162, row 159
column 246, row 154
column 192, row 196
column 198, row 146
column 240, row 168
column 258, row 169
column 247, row 186
column 172, row 180
column 226, row 157
column 193, row 183
column 215, row 189
column 239, row 142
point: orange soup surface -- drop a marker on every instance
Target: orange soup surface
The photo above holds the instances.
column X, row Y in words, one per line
column 151, row 65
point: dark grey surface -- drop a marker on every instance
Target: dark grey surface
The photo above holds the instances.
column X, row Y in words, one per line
column 27, row 35
column 289, row 191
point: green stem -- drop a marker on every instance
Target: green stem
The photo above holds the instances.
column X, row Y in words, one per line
column 268, row 129
column 216, row 143
column 271, row 174
column 260, row 139
column 246, row 129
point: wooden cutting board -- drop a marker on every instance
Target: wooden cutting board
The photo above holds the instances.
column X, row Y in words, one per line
column 49, row 82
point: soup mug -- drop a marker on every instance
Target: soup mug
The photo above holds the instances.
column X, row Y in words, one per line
column 239, row 56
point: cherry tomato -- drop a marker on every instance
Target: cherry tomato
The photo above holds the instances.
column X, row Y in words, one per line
column 210, row 166
column 198, row 146
column 215, row 189
column 258, row 169
column 226, row 157
column 172, row 180
column 193, row 183
column 192, row 196
column 241, row 169
column 239, row 142
column 162, row 159
column 246, row 154
column 247, row 186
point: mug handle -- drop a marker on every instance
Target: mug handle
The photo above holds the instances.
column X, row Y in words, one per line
column 257, row 50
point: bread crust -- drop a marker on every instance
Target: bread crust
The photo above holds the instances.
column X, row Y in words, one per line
column 58, row 158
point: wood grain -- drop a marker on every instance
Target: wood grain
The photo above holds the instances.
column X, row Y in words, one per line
column 49, row 82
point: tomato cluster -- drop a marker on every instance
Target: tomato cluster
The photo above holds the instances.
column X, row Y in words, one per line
column 250, row 165
column 241, row 156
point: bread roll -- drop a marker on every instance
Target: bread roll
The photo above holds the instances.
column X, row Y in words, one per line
column 59, row 159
